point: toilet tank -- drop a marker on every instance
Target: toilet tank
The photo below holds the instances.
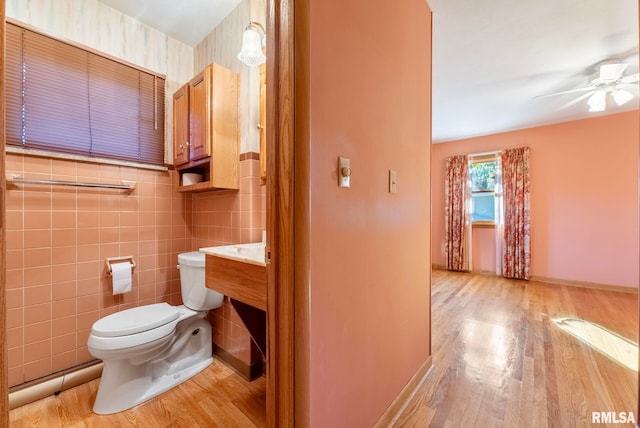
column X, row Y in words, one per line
column 195, row 294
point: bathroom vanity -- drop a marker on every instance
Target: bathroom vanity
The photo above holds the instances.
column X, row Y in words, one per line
column 240, row 273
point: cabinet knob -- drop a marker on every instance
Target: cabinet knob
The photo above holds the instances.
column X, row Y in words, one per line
column 259, row 127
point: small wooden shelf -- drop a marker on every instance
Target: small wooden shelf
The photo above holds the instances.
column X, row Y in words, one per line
column 203, row 186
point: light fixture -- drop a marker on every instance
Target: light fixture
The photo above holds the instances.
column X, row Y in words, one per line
column 251, row 53
column 608, row 82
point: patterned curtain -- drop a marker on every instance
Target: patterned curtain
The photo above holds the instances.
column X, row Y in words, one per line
column 516, row 252
column 499, row 216
column 455, row 211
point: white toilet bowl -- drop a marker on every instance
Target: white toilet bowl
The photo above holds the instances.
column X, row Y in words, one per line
column 150, row 349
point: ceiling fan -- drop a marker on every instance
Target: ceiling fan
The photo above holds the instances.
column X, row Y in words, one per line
column 608, row 81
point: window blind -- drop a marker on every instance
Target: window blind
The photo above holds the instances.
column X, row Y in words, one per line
column 62, row 98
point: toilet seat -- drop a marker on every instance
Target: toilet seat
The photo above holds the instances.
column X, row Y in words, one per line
column 134, row 327
column 135, row 320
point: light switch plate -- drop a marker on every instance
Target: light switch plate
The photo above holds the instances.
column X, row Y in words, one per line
column 344, row 172
column 393, row 181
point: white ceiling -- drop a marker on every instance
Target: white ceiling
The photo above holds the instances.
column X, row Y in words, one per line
column 186, row 20
column 491, row 58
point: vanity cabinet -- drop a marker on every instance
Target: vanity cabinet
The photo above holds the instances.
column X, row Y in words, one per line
column 206, row 130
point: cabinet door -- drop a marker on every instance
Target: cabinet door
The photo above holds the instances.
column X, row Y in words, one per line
column 199, row 121
column 181, row 126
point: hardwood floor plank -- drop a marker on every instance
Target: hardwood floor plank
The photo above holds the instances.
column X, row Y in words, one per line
column 216, row 397
column 501, row 360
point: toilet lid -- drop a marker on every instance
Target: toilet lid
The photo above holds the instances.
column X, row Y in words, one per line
column 135, row 320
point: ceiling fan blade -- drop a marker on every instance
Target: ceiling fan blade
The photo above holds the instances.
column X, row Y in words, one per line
column 630, row 79
column 612, row 71
column 571, row 91
column 576, row 100
column 621, row 97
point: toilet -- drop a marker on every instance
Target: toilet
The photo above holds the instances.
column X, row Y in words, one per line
column 150, row 349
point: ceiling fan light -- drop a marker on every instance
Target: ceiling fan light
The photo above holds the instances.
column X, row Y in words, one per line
column 621, row 97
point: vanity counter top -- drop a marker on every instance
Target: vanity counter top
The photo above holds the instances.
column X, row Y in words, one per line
column 252, row 253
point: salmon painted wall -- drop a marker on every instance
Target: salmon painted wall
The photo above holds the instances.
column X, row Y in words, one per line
column 370, row 98
column 584, row 196
column 483, row 241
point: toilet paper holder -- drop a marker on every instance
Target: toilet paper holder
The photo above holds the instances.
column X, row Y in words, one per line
column 110, row 260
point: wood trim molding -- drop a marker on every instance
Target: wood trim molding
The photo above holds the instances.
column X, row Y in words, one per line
column 280, row 218
column 4, row 372
column 557, row 281
column 398, row 405
column 585, row 284
column 302, row 215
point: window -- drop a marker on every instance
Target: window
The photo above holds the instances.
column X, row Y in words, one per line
column 483, row 182
column 62, row 98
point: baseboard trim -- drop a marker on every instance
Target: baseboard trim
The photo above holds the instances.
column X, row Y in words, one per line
column 393, row 412
column 249, row 372
column 584, row 284
column 557, row 281
column 54, row 384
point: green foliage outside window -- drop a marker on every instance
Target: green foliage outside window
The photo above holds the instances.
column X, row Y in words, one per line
column 483, row 176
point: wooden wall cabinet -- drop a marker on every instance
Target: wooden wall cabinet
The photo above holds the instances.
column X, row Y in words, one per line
column 206, row 137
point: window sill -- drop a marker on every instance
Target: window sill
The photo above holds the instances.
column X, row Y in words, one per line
column 79, row 158
column 483, row 225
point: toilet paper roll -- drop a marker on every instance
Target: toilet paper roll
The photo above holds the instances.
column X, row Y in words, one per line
column 121, row 276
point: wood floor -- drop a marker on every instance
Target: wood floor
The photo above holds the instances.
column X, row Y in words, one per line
column 500, row 359
column 217, row 397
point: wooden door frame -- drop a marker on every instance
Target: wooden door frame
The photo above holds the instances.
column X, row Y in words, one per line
column 288, row 190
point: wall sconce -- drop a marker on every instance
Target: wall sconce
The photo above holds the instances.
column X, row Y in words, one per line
column 251, row 53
